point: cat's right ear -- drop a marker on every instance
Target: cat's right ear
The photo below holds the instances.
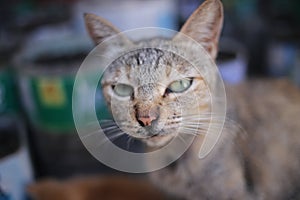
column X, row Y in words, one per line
column 205, row 25
column 99, row 29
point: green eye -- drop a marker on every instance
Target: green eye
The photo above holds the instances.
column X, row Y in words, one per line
column 180, row 85
column 123, row 90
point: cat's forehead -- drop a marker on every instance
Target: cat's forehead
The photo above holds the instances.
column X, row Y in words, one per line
column 148, row 66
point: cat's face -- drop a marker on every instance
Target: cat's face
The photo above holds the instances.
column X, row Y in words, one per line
column 152, row 92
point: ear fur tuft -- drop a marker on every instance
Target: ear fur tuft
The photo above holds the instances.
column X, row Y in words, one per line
column 205, row 25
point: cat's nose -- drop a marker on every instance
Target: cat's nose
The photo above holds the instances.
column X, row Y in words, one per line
column 146, row 117
column 146, row 121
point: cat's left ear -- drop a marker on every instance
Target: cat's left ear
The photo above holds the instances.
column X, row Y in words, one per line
column 100, row 29
column 205, row 26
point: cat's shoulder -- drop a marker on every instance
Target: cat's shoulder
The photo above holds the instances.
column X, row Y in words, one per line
column 265, row 97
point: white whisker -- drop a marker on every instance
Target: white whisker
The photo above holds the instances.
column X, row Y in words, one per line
column 111, row 138
column 181, row 138
column 129, row 140
column 90, row 134
column 110, row 127
column 188, row 132
column 113, row 131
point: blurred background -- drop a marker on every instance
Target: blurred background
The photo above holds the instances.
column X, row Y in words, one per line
column 43, row 42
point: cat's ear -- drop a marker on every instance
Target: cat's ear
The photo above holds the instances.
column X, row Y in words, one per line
column 205, row 25
column 100, row 29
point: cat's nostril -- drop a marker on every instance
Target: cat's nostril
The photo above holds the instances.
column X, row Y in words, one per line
column 145, row 121
column 146, row 117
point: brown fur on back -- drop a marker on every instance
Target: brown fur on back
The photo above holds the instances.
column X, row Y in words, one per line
column 269, row 111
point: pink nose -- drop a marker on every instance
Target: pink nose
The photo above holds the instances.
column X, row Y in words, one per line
column 146, row 121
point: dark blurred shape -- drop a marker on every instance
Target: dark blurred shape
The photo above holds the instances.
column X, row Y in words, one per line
column 9, row 139
column 24, row 16
column 96, row 187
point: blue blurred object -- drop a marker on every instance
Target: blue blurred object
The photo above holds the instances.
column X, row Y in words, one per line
column 3, row 195
column 15, row 166
column 281, row 58
column 232, row 61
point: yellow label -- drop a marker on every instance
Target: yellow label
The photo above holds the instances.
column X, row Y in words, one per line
column 51, row 92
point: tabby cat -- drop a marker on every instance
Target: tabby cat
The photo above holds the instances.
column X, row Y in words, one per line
column 258, row 159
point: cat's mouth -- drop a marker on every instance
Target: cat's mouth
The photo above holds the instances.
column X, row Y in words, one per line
column 152, row 136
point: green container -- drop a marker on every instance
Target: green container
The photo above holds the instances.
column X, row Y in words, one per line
column 48, row 101
column 46, row 78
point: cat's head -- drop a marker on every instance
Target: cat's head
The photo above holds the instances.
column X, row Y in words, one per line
column 152, row 91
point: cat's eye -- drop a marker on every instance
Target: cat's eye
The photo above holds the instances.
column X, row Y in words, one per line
column 180, row 85
column 123, row 90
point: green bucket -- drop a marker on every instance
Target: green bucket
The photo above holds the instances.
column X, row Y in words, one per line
column 46, row 78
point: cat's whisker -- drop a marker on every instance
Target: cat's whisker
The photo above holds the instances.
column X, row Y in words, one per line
column 110, row 128
column 233, row 126
column 202, row 120
column 202, row 117
column 181, row 138
column 197, row 131
column 198, row 122
column 99, row 131
column 107, row 123
column 207, row 128
column 113, row 131
column 201, row 127
column 204, row 114
column 128, row 125
column 188, row 133
column 195, row 128
column 194, row 124
column 111, row 138
column 116, row 134
column 230, row 125
column 129, row 141
column 190, row 130
column 212, row 123
column 97, row 123
column 90, row 134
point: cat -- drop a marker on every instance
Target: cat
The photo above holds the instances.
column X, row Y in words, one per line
column 257, row 159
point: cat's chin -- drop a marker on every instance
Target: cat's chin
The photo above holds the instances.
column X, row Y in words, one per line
column 158, row 140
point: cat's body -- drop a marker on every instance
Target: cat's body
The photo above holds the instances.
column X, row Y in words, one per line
column 261, row 160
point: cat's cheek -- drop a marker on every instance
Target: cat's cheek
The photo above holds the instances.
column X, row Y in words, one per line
column 107, row 93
